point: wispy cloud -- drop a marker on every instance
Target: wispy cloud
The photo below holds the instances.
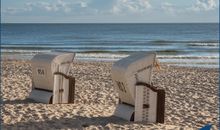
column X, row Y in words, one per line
column 198, row 6
column 57, row 6
column 113, row 10
column 11, row 10
column 204, row 5
column 83, row 4
column 14, row 10
column 169, row 8
column 118, row 7
column 130, row 6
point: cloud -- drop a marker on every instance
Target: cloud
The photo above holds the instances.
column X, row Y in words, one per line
column 199, row 5
column 142, row 10
column 131, row 6
column 42, row 6
column 84, row 4
column 11, row 10
column 169, row 8
column 82, row 7
column 204, row 5
column 60, row 5
column 28, row 6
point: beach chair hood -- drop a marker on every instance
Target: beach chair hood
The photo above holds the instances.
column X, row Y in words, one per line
column 45, row 65
column 138, row 99
column 130, row 70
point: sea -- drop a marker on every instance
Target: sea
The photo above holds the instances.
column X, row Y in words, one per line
column 182, row 44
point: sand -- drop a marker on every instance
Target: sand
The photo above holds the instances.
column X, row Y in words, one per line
column 191, row 99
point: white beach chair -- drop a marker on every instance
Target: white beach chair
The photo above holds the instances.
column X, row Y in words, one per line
column 138, row 99
column 50, row 83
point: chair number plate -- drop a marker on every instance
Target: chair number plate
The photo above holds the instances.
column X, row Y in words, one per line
column 41, row 71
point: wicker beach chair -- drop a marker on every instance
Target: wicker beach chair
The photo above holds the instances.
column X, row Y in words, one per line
column 50, row 83
column 138, row 99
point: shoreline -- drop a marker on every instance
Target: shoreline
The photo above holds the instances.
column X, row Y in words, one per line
column 191, row 98
column 178, row 60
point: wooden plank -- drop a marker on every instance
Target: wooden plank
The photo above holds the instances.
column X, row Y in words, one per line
column 138, row 103
column 160, row 106
column 65, row 93
column 56, row 93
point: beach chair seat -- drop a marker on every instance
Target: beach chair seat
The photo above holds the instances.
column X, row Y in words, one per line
column 50, row 80
column 138, row 99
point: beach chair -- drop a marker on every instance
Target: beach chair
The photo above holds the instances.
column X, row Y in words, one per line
column 50, row 83
column 138, row 99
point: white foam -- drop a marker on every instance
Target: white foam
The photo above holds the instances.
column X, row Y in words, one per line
column 209, row 56
column 22, row 51
column 216, row 44
column 183, row 60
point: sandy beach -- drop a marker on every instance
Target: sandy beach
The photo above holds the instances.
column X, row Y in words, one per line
column 191, row 99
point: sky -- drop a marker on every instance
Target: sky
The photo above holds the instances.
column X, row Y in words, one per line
column 109, row 11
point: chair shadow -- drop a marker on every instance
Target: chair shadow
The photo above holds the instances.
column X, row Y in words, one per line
column 18, row 101
column 76, row 122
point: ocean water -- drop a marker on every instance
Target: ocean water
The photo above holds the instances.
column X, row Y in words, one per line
column 194, row 44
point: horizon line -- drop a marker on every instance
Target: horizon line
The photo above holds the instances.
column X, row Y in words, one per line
column 106, row 22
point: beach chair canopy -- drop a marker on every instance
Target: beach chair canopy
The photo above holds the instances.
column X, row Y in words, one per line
column 46, row 64
column 138, row 99
column 130, row 70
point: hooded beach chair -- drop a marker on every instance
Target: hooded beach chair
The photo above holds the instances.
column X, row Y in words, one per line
column 51, row 83
column 138, row 99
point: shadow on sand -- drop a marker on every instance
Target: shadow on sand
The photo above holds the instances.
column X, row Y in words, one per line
column 76, row 122
column 18, row 101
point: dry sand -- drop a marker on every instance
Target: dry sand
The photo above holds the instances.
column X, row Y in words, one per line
column 191, row 99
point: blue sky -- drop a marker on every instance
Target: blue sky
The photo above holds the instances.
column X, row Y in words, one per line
column 109, row 11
